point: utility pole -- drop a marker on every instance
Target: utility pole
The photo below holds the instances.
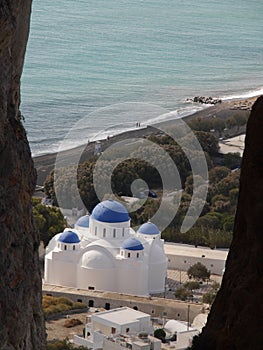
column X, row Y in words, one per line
column 188, row 317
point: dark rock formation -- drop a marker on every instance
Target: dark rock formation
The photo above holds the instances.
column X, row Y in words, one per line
column 205, row 100
column 21, row 318
column 235, row 321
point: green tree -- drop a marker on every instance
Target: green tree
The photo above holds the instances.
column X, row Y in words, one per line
column 49, row 220
column 160, row 333
column 232, row 160
column 218, row 173
column 198, row 271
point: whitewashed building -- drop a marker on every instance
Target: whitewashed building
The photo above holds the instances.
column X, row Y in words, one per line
column 118, row 329
column 103, row 252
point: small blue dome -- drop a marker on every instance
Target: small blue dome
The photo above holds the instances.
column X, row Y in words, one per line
column 149, row 229
column 110, row 211
column 69, row 237
column 132, row 244
column 83, row 221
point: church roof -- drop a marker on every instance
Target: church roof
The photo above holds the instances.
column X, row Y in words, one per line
column 110, row 211
column 149, row 229
column 69, row 237
column 132, row 244
column 83, row 221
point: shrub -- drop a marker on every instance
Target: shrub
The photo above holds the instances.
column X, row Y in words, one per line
column 63, row 345
column 182, row 293
column 72, row 322
column 192, row 285
column 52, row 305
column 160, row 334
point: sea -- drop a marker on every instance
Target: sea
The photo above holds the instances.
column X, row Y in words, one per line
column 84, row 58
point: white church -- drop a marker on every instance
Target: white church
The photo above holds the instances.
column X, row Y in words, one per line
column 103, row 252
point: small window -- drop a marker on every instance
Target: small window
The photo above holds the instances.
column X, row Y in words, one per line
column 129, row 255
column 91, row 288
column 114, row 232
column 138, row 255
column 212, row 265
column 113, row 330
column 123, row 230
column 96, row 231
column 127, row 330
column 104, row 232
column 74, row 247
column 65, row 247
column 122, row 252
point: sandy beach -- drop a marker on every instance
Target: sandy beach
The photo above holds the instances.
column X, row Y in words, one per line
column 44, row 164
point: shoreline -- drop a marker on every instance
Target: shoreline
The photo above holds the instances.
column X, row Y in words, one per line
column 44, row 164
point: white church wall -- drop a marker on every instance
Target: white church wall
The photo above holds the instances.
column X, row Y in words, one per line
column 60, row 272
column 97, row 279
column 132, row 277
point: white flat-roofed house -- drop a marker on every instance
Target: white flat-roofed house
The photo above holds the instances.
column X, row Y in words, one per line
column 117, row 328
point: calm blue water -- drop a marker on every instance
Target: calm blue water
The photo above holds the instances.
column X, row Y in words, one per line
column 83, row 55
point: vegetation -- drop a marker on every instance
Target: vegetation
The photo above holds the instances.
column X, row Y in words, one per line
column 191, row 285
column 215, row 225
column 63, row 345
column 182, row 293
column 72, row 322
column 52, row 305
column 160, row 334
column 49, row 220
column 198, row 271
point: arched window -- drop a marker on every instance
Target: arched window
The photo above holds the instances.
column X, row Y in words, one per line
column 129, row 255
column 123, row 230
column 65, row 247
column 74, row 247
column 114, row 232
column 104, row 232
column 138, row 255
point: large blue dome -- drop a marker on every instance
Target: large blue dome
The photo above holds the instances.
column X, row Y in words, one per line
column 69, row 237
column 132, row 244
column 149, row 229
column 110, row 211
column 83, row 221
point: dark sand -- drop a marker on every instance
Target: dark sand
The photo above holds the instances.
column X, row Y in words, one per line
column 45, row 164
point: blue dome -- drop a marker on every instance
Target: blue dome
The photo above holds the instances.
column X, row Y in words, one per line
column 110, row 211
column 69, row 237
column 83, row 221
column 149, row 229
column 132, row 244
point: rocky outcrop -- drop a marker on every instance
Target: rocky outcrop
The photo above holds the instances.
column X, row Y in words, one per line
column 21, row 318
column 235, row 320
column 205, row 100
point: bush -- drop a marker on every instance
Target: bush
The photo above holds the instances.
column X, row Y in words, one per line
column 198, row 271
column 209, row 297
column 72, row 322
column 52, row 305
column 63, row 345
column 182, row 293
column 192, row 285
column 160, row 334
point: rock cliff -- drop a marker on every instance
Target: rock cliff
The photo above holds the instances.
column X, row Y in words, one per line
column 235, row 320
column 21, row 318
